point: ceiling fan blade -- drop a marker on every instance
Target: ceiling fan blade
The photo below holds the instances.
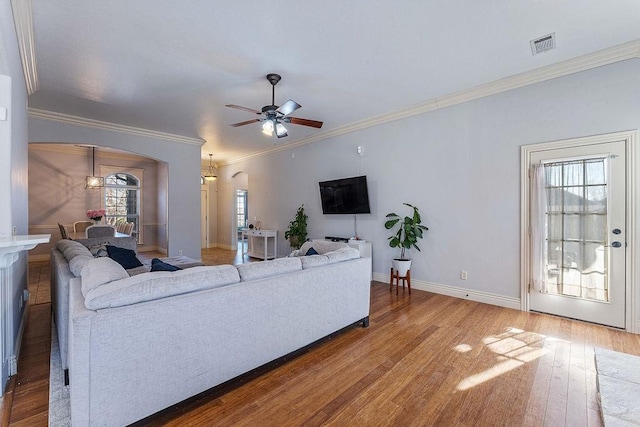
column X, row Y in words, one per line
column 238, row 107
column 304, row 122
column 246, row 122
column 288, row 107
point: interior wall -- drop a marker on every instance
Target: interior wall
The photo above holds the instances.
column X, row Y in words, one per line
column 162, row 208
column 460, row 165
column 212, row 200
column 183, row 173
column 57, row 194
column 14, row 178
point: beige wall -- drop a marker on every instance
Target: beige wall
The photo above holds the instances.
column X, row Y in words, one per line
column 57, row 194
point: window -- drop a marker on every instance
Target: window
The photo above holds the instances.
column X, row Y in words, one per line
column 241, row 209
column 122, row 200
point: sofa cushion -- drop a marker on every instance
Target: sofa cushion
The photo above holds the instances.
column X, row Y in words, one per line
column 128, row 242
column 63, row 244
column 157, row 265
column 314, row 261
column 339, row 255
column 343, row 254
column 77, row 263
column 99, row 250
column 274, row 267
column 160, row 284
column 125, row 257
column 73, row 251
column 98, row 271
column 322, row 246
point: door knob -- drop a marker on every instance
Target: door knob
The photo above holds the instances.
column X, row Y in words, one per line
column 616, row 231
column 616, row 244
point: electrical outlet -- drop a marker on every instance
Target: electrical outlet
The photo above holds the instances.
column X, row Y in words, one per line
column 180, row 252
column 463, row 275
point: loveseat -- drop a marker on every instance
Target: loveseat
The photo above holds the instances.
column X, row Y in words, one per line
column 67, row 259
column 140, row 344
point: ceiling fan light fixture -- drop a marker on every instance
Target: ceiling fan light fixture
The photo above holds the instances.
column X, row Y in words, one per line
column 281, row 130
column 211, row 174
column 267, row 127
column 273, row 116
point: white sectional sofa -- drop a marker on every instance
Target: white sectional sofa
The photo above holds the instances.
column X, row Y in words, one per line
column 140, row 344
column 67, row 259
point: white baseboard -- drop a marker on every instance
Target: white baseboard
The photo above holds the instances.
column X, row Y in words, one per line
column 462, row 293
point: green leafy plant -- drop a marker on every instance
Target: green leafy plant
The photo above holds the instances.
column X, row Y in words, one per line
column 410, row 229
column 297, row 231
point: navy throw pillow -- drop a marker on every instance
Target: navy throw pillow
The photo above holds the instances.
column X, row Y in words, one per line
column 311, row 251
column 125, row 257
column 157, row 265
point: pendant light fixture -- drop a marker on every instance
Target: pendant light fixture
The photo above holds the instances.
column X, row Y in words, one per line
column 211, row 174
column 93, row 181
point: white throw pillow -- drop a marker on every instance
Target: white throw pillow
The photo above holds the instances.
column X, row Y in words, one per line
column 99, row 271
column 77, row 263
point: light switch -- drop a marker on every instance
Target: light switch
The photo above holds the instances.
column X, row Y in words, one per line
column 3, row 113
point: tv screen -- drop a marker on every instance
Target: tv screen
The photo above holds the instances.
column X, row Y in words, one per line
column 345, row 196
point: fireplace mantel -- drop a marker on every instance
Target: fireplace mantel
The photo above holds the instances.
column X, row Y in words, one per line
column 10, row 247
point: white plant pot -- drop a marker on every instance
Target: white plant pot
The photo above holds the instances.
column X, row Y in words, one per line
column 401, row 266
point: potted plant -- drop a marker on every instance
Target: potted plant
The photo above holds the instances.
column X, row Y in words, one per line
column 297, row 231
column 410, row 229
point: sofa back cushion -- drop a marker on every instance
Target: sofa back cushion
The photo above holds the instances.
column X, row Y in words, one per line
column 310, row 261
column 121, row 242
column 274, row 267
column 159, row 284
column 342, row 254
column 77, row 263
column 71, row 248
column 321, row 246
column 99, row 271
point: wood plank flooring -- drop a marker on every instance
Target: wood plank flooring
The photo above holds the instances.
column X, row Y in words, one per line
column 425, row 359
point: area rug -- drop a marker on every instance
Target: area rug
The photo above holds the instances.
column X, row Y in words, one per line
column 59, row 406
column 618, row 381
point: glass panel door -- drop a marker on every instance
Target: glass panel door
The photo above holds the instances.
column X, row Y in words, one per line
column 584, row 269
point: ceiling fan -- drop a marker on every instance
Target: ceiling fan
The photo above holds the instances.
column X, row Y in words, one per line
column 273, row 116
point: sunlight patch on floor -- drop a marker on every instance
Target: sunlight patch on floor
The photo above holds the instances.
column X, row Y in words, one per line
column 513, row 348
column 463, row 348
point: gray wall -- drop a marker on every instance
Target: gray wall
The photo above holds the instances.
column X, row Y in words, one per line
column 183, row 174
column 13, row 173
column 459, row 165
column 57, row 193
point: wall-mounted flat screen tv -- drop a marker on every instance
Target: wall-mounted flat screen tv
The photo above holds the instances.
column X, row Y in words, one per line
column 345, row 196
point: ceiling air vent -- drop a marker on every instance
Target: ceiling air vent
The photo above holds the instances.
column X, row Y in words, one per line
column 543, row 44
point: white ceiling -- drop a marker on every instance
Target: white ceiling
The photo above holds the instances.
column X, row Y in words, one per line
column 171, row 66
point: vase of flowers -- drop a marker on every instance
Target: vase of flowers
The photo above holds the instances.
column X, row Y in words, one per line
column 96, row 214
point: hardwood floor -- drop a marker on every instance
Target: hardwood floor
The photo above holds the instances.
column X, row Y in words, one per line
column 425, row 359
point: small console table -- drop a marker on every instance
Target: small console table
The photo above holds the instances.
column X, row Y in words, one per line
column 265, row 252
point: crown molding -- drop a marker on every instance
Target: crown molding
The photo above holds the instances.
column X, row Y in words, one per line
column 81, row 150
column 581, row 63
column 97, row 124
column 23, row 20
